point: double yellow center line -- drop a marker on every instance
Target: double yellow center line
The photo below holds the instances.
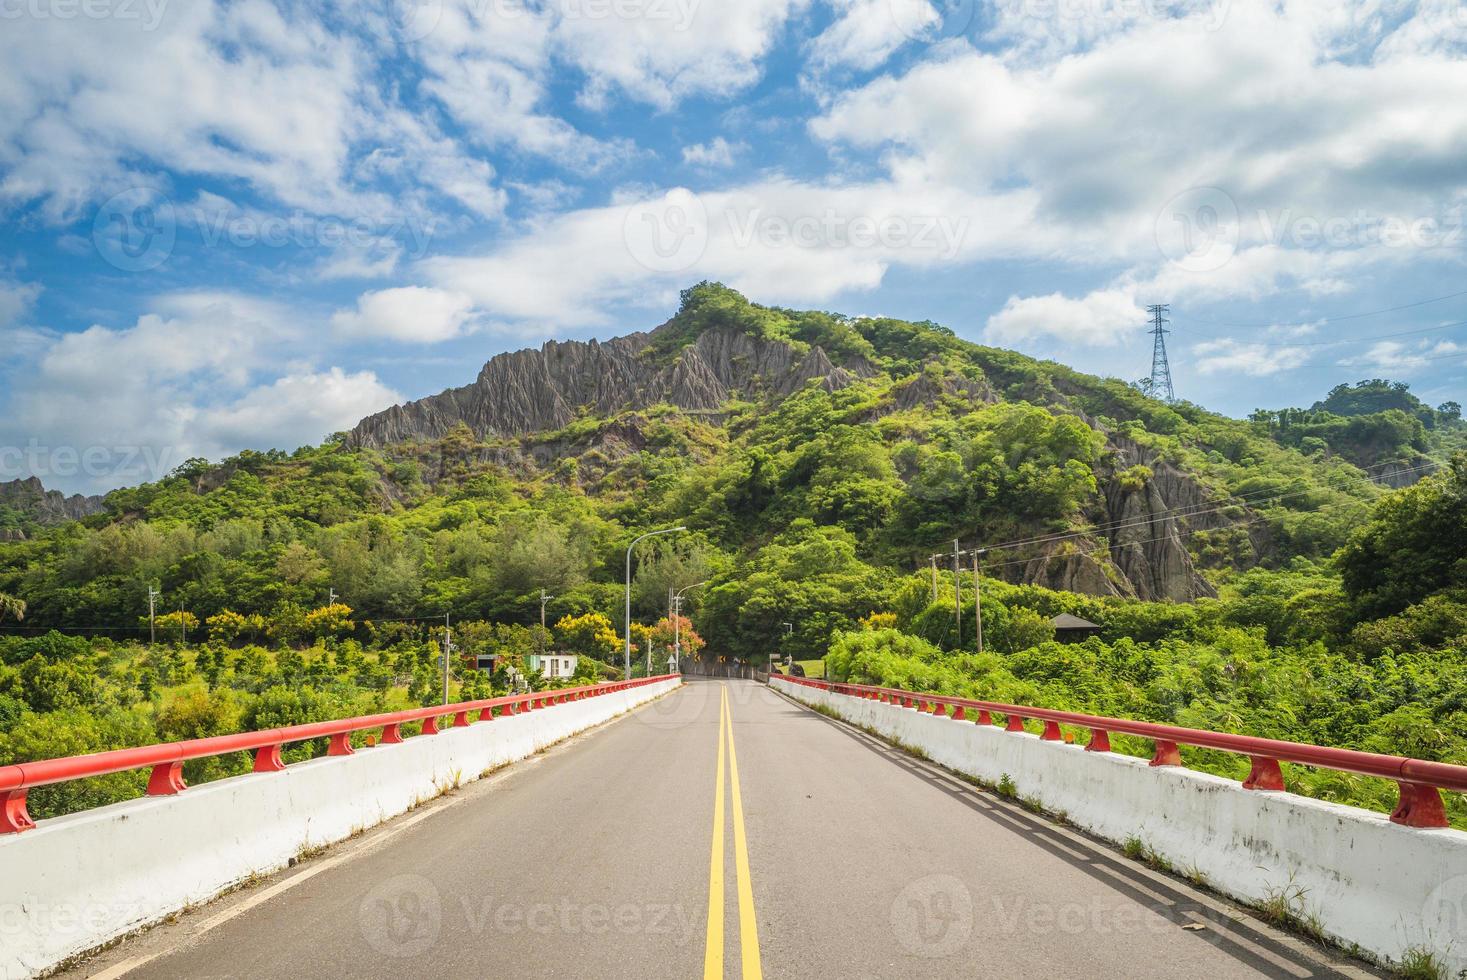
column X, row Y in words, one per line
column 748, row 926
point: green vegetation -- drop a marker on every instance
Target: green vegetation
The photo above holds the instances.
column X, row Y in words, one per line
column 1339, row 618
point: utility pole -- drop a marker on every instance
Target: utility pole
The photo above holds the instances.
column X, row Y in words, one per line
column 540, row 640
column 1161, row 370
column 153, row 595
column 331, row 597
column 978, row 594
column 958, row 588
column 182, row 626
column 447, row 648
column 934, row 578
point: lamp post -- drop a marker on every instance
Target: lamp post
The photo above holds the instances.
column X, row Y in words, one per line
column 676, row 612
column 627, row 649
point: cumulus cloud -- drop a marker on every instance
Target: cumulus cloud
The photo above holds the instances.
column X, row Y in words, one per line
column 718, row 152
column 16, row 299
column 1229, row 356
column 865, row 33
column 203, row 374
column 408, row 314
column 1102, row 318
column 1394, row 358
column 786, row 240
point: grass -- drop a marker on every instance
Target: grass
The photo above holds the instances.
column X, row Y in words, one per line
column 1420, row 963
column 1285, row 907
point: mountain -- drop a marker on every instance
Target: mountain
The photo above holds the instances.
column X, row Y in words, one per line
column 1133, row 528
column 543, row 390
column 26, row 504
column 824, row 465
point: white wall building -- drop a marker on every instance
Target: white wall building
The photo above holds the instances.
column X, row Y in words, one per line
column 553, row 666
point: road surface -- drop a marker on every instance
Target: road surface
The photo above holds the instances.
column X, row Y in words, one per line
column 722, row 831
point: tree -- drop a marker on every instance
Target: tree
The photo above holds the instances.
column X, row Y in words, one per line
column 329, row 621
column 11, row 606
column 1414, row 546
column 590, row 635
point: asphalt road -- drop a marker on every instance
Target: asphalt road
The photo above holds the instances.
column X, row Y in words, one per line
column 834, row 856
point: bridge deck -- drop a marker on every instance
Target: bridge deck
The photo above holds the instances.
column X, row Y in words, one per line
column 594, row 860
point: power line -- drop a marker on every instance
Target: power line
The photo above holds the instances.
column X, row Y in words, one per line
column 1345, row 316
column 1354, row 340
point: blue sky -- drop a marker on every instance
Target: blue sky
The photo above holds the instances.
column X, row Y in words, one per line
column 248, row 224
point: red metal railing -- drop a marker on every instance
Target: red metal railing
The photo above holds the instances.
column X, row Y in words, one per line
column 1420, row 782
column 167, row 759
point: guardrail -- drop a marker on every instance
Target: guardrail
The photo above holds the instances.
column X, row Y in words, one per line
column 166, row 759
column 1420, row 782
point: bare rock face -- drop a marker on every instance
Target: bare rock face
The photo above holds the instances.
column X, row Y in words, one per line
column 41, row 506
column 544, row 390
column 1145, row 524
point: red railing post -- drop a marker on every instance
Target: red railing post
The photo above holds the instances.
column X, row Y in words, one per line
column 13, row 815
column 391, row 734
column 267, row 759
column 938, row 708
column 959, row 714
column 1052, row 732
column 340, row 744
column 167, row 779
column 430, row 725
column 1016, row 723
column 487, row 714
column 984, row 717
column 461, row 719
column 1099, row 740
column 1420, row 806
column 1167, row 754
column 1264, row 774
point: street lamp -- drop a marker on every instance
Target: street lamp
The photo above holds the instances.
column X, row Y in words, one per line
column 627, row 650
column 676, row 612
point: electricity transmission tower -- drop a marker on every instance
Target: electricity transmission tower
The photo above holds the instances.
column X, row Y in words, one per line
column 1160, row 383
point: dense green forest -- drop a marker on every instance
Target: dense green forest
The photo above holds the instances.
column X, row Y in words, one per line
column 1255, row 575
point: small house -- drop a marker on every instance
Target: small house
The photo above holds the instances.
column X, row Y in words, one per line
column 553, row 666
column 1073, row 629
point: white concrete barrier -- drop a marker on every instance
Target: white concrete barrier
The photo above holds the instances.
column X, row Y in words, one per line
column 1388, row 889
column 79, row 881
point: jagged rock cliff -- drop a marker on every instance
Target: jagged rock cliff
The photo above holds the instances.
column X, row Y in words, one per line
column 515, row 410
column 35, row 504
column 544, row 390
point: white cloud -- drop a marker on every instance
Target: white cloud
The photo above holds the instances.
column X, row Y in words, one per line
column 668, row 51
column 866, row 33
column 1228, row 356
column 205, row 374
column 1397, row 358
column 16, row 299
column 1106, row 147
column 1103, row 318
column 297, row 408
column 408, row 314
column 785, row 240
column 269, row 98
column 719, row 152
